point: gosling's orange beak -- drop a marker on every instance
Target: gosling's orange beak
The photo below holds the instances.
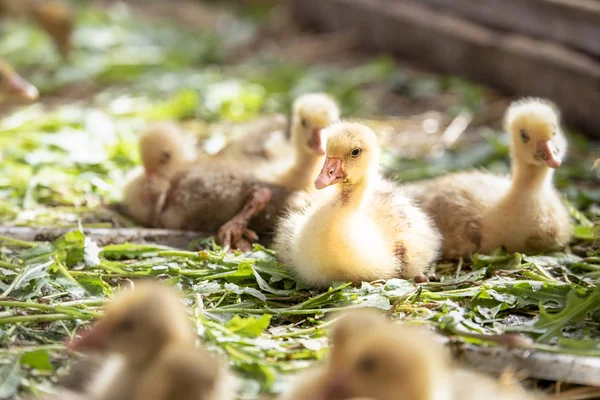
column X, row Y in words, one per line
column 316, row 141
column 19, row 87
column 331, row 173
column 95, row 338
column 546, row 150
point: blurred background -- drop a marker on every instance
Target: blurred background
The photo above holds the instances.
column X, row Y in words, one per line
column 420, row 74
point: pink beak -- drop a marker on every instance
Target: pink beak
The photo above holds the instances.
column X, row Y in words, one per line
column 547, row 151
column 150, row 172
column 95, row 338
column 331, row 173
column 316, row 142
column 335, row 388
column 19, row 87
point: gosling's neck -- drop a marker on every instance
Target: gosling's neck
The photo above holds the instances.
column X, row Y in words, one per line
column 354, row 195
column 303, row 172
column 527, row 178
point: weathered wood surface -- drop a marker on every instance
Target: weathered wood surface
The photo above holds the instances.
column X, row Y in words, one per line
column 165, row 237
column 535, row 364
column 515, row 64
column 574, row 23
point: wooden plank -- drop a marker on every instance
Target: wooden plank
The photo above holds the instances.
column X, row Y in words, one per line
column 165, row 237
column 515, row 64
column 535, row 364
column 574, row 23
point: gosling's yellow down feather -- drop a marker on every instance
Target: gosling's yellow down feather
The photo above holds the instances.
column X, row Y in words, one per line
column 372, row 358
column 164, row 152
column 311, row 114
column 478, row 211
column 360, row 228
column 148, row 340
column 531, row 217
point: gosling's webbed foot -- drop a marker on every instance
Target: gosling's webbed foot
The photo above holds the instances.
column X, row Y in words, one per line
column 243, row 245
column 235, row 233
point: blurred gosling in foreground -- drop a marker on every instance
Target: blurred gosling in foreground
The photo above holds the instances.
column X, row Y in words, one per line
column 372, row 358
column 148, row 341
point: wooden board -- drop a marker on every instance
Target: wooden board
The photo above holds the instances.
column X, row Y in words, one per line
column 165, row 237
column 534, row 364
column 515, row 64
column 573, row 23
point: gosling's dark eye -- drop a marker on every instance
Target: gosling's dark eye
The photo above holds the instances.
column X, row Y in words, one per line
column 355, row 152
column 165, row 157
column 126, row 325
column 524, row 136
column 367, row 364
column 304, row 123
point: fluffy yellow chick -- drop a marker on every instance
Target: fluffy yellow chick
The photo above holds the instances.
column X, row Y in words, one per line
column 150, row 342
column 361, row 228
column 311, row 114
column 177, row 191
column 531, row 217
column 478, row 211
column 371, row 358
column 374, row 359
column 262, row 149
column 240, row 201
column 14, row 87
column 262, row 140
column 163, row 152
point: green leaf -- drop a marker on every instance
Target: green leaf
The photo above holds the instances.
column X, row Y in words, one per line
column 183, row 104
column 38, row 359
column 208, row 287
column 10, row 378
column 475, row 275
column 267, row 288
column 395, row 288
column 333, row 297
column 243, row 272
column 29, row 273
column 94, row 285
column 251, row 326
column 584, row 232
column 245, row 290
column 38, row 251
column 580, row 344
column 489, row 302
column 579, row 305
column 70, row 247
column 503, row 261
column 130, row 250
column 534, row 293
